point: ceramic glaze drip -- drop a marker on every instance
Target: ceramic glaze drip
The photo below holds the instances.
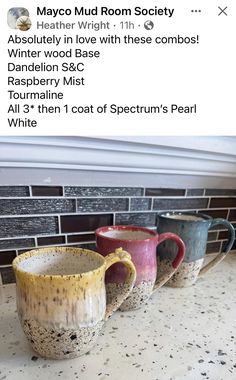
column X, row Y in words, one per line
column 185, row 276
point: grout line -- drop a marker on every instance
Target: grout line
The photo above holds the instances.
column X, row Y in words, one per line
column 59, row 224
column 31, row 197
column 46, row 236
column 30, row 192
column 227, row 216
column 152, row 203
column 76, row 206
column 110, row 212
column 35, row 241
column 208, row 204
column 129, row 204
column 63, row 190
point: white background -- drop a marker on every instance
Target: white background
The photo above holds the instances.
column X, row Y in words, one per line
column 144, row 75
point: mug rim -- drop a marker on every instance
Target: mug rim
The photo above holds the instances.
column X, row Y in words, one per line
column 60, row 250
column 153, row 235
column 167, row 214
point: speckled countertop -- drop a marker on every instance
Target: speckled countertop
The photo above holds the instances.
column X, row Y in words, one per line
column 180, row 334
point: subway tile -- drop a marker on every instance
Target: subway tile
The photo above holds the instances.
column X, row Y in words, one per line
column 220, row 192
column 13, row 227
column 6, row 257
column 232, row 215
column 8, row 276
column 14, row 191
column 82, row 223
column 215, row 213
column 16, row 243
column 224, row 245
column 51, row 240
column 20, row 251
column 179, row 204
column 164, row 192
column 212, row 236
column 136, row 219
column 234, row 246
column 47, row 191
column 102, row 204
column 80, row 238
column 76, row 191
column 222, row 202
column 213, row 247
column 224, row 234
column 140, row 204
column 36, row 206
column 91, row 246
column 194, row 192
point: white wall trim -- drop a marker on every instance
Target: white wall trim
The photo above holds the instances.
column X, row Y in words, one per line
column 181, row 157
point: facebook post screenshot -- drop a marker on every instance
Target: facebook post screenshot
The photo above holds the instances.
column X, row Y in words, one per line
column 118, row 190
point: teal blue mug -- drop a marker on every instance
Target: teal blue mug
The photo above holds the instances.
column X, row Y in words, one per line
column 193, row 230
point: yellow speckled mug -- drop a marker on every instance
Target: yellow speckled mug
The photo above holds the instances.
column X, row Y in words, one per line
column 61, row 297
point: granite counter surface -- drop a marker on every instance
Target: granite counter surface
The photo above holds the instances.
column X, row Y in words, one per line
column 180, row 334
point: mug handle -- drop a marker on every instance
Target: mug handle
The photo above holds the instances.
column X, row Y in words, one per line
column 175, row 263
column 225, row 250
column 120, row 256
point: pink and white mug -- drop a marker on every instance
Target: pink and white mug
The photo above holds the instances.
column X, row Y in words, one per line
column 141, row 243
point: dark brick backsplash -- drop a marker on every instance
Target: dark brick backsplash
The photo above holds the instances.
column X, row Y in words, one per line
column 80, row 238
column 36, row 206
column 14, row 191
column 82, row 223
column 232, row 215
column 11, row 227
column 212, row 236
column 222, row 202
column 74, row 191
column 47, row 191
column 194, row 192
column 16, row 243
column 220, row 192
column 7, row 275
column 180, row 204
column 213, row 247
column 6, row 257
column 102, row 204
column 136, row 219
column 140, row 204
column 51, row 240
column 88, row 208
column 164, row 192
column 215, row 213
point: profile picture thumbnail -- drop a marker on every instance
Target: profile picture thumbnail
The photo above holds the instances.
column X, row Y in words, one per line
column 18, row 18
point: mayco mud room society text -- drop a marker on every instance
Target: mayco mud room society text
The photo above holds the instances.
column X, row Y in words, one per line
column 105, row 11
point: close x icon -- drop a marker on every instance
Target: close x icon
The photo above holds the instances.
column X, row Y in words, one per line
column 222, row 11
